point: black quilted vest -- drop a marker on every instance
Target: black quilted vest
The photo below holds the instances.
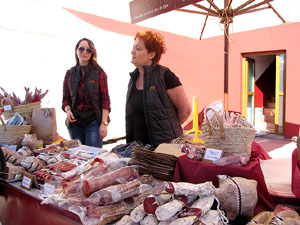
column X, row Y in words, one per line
column 160, row 113
column 92, row 85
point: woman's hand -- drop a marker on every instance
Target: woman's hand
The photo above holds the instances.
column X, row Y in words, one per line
column 70, row 116
column 102, row 131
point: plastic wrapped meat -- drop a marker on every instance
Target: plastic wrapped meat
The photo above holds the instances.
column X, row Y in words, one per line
column 25, row 151
column 72, row 187
column 44, row 157
column 14, row 172
column 103, row 167
column 55, row 158
column 126, row 220
column 144, row 191
column 118, row 176
column 168, row 210
column 105, row 214
column 75, row 172
column 43, row 175
column 199, row 208
column 118, row 192
column 183, row 188
column 61, row 166
column 12, row 156
column 31, row 164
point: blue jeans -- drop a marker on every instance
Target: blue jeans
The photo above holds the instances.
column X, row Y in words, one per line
column 88, row 135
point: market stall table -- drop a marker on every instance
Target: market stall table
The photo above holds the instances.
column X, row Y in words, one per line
column 198, row 172
column 19, row 206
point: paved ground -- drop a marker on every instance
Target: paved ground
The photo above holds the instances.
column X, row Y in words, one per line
column 277, row 171
column 271, row 142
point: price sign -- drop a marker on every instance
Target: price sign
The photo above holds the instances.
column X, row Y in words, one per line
column 7, row 107
column 212, row 154
column 27, row 181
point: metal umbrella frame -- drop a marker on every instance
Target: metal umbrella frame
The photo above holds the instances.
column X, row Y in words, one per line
column 144, row 9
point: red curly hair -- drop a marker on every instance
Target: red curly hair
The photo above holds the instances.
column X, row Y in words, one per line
column 154, row 42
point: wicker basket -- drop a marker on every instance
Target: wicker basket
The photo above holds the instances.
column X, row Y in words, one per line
column 234, row 140
column 23, row 110
column 12, row 135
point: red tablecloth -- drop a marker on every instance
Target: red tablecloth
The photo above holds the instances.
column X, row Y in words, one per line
column 198, row 172
column 295, row 174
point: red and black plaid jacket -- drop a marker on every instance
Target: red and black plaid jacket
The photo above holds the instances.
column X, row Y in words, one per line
column 83, row 101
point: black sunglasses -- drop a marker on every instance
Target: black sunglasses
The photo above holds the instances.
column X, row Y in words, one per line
column 88, row 50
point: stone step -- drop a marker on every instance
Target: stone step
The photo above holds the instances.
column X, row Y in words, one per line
column 269, row 112
column 270, row 127
column 269, row 119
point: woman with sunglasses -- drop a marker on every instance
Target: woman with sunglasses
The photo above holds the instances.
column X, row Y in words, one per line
column 156, row 103
column 85, row 97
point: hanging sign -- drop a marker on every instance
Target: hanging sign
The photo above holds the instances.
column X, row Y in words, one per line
column 144, row 9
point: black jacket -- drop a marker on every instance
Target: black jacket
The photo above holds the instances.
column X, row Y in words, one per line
column 161, row 116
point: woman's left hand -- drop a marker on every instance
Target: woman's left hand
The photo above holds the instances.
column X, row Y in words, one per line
column 102, row 131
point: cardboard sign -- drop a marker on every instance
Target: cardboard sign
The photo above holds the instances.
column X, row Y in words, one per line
column 212, row 154
column 27, row 181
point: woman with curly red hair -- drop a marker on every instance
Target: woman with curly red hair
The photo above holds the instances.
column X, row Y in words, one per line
column 156, row 104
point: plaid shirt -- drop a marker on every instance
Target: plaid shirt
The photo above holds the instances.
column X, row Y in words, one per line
column 83, row 103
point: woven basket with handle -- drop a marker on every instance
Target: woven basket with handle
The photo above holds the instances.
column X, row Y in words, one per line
column 23, row 110
column 13, row 134
column 234, row 140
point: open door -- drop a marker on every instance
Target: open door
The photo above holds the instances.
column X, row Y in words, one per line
column 263, row 91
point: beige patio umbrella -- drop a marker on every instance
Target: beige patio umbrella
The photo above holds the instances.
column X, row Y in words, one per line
column 144, row 9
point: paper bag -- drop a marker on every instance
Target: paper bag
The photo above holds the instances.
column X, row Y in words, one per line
column 44, row 124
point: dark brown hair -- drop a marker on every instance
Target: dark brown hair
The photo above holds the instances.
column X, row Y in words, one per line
column 93, row 59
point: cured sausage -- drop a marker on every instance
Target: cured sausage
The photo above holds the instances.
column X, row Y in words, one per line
column 199, row 208
column 114, row 193
column 168, row 210
column 184, row 188
column 106, row 214
column 149, row 220
column 152, row 202
column 126, row 220
column 138, row 213
column 115, row 177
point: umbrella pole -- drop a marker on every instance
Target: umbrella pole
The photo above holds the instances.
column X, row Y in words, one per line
column 226, row 34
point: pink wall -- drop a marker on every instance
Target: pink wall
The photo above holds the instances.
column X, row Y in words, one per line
column 200, row 64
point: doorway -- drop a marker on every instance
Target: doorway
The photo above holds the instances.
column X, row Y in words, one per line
column 263, row 81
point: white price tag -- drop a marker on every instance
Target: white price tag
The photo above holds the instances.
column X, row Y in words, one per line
column 7, row 107
column 27, row 181
column 213, row 154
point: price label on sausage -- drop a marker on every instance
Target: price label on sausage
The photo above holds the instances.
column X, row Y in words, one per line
column 27, row 181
